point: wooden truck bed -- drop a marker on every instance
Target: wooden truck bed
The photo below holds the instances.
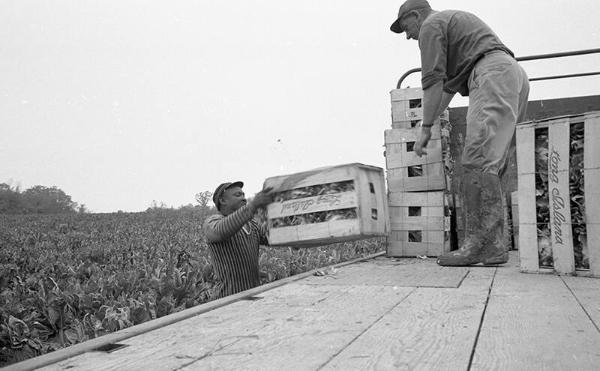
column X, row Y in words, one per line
column 381, row 313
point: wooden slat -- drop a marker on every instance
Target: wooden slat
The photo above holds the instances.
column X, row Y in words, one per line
column 430, row 330
column 587, row 292
column 333, row 201
column 327, row 231
column 433, row 179
column 528, row 244
column 409, row 135
column 397, row 155
column 401, row 113
column 515, row 218
column 532, row 322
column 424, row 199
column 406, row 94
column 591, row 158
column 425, row 223
column 559, row 196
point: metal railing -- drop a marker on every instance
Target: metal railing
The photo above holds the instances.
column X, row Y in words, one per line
column 530, row 58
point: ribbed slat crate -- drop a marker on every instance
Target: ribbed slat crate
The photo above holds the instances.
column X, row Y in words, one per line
column 561, row 227
column 407, row 109
column 406, row 172
column 307, row 207
column 420, row 224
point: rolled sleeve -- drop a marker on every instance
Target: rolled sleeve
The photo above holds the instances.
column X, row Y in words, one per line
column 434, row 51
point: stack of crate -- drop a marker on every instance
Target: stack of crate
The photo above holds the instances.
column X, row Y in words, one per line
column 419, row 206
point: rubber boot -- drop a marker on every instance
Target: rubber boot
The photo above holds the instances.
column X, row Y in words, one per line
column 494, row 248
column 471, row 249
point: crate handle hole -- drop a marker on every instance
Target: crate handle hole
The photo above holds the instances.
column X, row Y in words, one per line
column 410, row 146
column 414, row 171
column 374, row 214
column 414, row 103
column 415, row 236
column 371, row 187
column 414, row 210
column 414, row 123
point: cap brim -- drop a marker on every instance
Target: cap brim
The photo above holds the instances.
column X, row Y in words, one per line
column 235, row 184
column 395, row 27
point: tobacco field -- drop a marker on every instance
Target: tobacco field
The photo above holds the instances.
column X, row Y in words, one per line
column 68, row 278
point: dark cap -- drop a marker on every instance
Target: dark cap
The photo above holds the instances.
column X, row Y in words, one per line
column 408, row 6
column 221, row 189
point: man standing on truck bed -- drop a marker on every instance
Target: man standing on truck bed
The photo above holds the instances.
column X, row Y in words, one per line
column 460, row 53
column 233, row 238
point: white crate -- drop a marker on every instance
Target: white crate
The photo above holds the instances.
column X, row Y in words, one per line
column 367, row 198
column 420, row 223
column 406, row 172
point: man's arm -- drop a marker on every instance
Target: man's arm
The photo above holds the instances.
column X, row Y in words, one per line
column 221, row 228
column 435, row 101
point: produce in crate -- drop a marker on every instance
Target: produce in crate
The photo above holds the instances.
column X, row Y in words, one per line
column 327, row 205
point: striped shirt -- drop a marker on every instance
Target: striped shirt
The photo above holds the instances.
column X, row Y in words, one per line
column 233, row 242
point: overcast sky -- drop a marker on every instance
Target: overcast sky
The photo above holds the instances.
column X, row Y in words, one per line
column 120, row 103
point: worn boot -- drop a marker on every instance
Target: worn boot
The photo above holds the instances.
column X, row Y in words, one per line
column 471, row 249
column 494, row 248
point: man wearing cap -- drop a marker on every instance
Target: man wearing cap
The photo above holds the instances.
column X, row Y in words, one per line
column 233, row 238
column 460, row 53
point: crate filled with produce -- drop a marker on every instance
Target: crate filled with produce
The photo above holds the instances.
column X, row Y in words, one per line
column 327, row 205
column 558, row 163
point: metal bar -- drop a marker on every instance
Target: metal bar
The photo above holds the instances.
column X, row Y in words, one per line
column 564, row 76
column 528, row 58
column 558, row 55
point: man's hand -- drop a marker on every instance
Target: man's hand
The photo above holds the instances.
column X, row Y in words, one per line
column 422, row 141
column 262, row 199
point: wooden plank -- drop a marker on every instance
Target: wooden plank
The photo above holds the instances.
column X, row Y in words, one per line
column 587, row 292
column 333, row 201
column 146, row 327
column 425, row 199
column 433, row 179
column 417, row 249
column 408, row 272
column 528, row 244
column 429, row 330
column 533, row 322
column 591, row 158
column 397, row 155
column 406, row 94
column 559, row 196
column 409, row 135
column 515, row 218
column 286, row 325
column 331, row 232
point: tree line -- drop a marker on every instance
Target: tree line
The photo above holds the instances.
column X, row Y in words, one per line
column 52, row 200
column 37, row 200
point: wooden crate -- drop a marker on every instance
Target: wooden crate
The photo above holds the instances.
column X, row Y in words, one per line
column 300, row 221
column 420, row 223
column 407, row 109
column 406, row 172
column 561, row 238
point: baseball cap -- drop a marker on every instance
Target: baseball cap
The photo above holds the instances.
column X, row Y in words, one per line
column 222, row 188
column 408, row 6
